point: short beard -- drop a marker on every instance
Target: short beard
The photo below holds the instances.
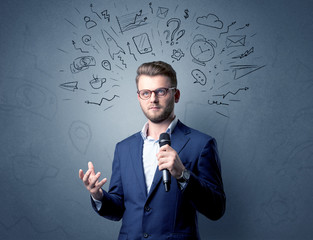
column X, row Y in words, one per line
column 164, row 116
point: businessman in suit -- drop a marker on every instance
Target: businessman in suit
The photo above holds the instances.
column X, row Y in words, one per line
column 136, row 193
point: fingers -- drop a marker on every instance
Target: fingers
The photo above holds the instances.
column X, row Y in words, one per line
column 91, row 180
column 81, row 174
column 91, row 167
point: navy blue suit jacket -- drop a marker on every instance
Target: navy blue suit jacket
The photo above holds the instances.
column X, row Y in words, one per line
column 159, row 214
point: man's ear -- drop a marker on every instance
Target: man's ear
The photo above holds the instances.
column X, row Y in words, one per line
column 177, row 95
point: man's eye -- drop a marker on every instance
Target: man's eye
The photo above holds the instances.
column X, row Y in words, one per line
column 160, row 91
column 145, row 93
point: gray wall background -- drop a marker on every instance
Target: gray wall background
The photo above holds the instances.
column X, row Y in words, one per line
column 67, row 96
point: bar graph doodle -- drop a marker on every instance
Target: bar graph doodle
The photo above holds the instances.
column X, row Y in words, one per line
column 130, row 21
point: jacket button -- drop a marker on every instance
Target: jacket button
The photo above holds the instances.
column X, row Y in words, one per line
column 145, row 235
column 147, row 209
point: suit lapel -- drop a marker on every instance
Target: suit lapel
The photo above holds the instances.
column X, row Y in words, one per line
column 136, row 158
column 179, row 139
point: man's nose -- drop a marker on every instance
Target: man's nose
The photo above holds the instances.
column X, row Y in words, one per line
column 153, row 97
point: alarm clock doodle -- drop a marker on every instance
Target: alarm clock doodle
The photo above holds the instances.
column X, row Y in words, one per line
column 202, row 50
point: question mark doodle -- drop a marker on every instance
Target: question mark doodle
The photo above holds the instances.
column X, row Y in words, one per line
column 168, row 34
column 180, row 33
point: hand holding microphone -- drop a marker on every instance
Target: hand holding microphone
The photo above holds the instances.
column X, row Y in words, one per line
column 168, row 161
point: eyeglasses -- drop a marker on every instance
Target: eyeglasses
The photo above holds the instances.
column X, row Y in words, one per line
column 145, row 94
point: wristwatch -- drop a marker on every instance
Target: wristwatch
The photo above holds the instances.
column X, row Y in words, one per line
column 184, row 176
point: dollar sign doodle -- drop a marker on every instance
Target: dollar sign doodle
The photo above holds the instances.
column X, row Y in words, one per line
column 187, row 13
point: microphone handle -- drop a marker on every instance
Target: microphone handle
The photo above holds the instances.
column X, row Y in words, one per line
column 166, row 179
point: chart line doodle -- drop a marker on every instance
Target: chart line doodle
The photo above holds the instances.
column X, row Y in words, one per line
column 233, row 23
column 102, row 99
column 232, row 93
column 130, row 21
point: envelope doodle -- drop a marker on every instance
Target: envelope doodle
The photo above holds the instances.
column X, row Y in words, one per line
column 162, row 12
column 236, row 41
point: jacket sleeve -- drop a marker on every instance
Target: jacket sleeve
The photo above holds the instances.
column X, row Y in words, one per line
column 205, row 186
column 113, row 201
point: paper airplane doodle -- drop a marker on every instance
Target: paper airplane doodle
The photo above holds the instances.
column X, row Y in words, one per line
column 243, row 70
column 70, row 86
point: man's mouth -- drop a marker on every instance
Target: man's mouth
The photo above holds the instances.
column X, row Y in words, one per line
column 154, row 107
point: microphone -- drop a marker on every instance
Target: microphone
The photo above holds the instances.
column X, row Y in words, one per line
column 163, row 140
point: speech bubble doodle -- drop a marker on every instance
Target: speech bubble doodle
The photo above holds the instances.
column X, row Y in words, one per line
column 199, row 77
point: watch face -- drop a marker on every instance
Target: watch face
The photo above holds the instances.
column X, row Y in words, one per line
column 202, row 51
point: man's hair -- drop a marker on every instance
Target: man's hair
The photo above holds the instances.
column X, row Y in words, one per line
column 157, row 68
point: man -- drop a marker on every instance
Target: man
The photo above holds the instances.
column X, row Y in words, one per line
column 136, row 193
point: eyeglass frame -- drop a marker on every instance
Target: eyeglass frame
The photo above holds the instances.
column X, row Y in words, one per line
column 155, row 92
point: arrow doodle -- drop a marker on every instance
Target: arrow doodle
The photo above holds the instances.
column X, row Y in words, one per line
column 233, row 93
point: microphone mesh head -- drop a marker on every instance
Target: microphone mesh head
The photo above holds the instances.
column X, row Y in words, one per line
column 164, row 139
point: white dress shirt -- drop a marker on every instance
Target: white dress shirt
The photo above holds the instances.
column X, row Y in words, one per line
column 150, row 149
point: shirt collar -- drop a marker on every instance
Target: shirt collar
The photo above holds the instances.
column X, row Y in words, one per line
column 169, row 130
